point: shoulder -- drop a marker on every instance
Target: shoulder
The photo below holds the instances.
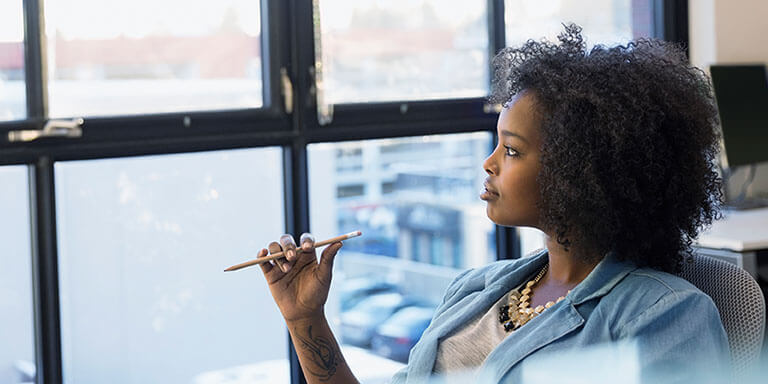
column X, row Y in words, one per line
column 671, row 322
column 647, row 295
column 654, row 285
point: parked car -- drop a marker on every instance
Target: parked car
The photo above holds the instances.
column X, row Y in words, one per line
column 395, row 337
column 359, row 322
column 354, row 290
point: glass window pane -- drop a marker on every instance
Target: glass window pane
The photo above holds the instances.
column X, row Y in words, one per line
column 13, row 103
column 403, row 50
column 115, row 57
column 143, row 243
column 416, row 200
column 604, row 21
column 17, row 350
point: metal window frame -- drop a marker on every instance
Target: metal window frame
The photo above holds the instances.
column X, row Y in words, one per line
column 670, row 21
column 287, row 43
column 135, row 135
column 45, row 272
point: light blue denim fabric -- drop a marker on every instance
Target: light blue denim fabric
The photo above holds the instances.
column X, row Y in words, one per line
column 674, row 328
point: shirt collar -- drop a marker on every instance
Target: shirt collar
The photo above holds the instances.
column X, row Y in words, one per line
column 608, row 272
column 510, row 274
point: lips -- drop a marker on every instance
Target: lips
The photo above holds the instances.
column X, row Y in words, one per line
column 489, row 193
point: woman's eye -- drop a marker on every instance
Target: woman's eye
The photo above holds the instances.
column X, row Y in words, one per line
column 509, row 151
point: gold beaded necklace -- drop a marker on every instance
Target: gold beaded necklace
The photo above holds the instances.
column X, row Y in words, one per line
column 517, row 312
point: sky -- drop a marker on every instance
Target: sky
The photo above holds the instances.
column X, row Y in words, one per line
column 106, row 19
column 11, row 22
column 336, row 14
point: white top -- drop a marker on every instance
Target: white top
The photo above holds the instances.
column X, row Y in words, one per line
column 738, row 231
column 460, row 354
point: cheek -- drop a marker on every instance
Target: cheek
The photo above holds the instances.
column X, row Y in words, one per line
column 519, row 199
column 521, row 188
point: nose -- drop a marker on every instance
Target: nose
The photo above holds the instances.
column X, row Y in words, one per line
column 490, row 165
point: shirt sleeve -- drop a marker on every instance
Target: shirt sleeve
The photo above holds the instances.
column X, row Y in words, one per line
column 451, row 290
column 401, row 375
column 680, row 339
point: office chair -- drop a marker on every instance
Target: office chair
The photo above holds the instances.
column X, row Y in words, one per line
column 740, row 302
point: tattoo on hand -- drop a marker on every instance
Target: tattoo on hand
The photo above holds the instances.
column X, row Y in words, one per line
column 325, row 357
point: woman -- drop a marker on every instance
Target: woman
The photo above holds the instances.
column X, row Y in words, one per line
column 610, row 153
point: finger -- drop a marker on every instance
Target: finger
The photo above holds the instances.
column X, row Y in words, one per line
column 307, row 241
column 274, row 247
column 266, row 267
column 326, row 260
column 289, row 247
column 307, row 250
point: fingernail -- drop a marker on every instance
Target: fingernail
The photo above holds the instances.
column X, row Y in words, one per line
column 290, row 255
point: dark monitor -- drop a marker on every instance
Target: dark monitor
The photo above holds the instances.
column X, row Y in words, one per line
column 742, row 99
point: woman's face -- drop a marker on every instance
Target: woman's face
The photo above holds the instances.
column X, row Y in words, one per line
column 512, row 189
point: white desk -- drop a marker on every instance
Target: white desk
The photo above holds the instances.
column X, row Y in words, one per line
column 737, row 238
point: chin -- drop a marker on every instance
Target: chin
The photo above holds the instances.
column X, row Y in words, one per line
column 507, row 220
column 503, row 221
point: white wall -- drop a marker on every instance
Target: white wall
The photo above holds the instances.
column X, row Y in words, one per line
column 731, row 32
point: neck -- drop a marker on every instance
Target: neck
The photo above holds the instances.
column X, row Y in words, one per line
column 565, row 267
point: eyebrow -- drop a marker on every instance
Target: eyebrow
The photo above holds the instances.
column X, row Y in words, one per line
column 513, row 134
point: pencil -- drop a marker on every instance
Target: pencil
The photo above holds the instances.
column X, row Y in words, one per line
column 280, row 254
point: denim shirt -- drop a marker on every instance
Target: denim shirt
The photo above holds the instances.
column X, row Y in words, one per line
column 674, row 327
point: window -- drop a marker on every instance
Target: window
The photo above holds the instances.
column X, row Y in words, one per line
column 112, row 57
column 208, row 131
column 417, row 235
column 17, row 352
column 12, row 85
column 615, row 22
column 403, row 50
column 143, row 245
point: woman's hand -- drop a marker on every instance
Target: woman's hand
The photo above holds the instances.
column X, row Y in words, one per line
column 298, row 282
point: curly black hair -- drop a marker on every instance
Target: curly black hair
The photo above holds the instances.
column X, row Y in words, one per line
column 630, row 143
